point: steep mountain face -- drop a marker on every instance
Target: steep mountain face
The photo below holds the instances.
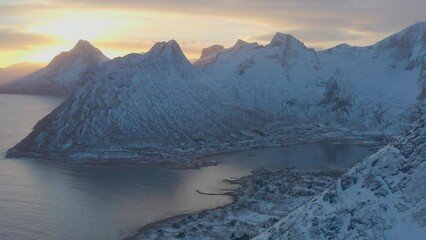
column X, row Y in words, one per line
column 408, row 45
column 268, row 78
column 208, row 55
column 11, row 73
column 384, row 79
column 366, row 87
column 380, row 198
column 59, row 76
column 137, row 105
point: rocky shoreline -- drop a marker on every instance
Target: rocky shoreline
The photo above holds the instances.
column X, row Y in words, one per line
column 261, row 199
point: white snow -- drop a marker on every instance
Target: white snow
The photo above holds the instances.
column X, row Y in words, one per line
column 136, row 106
column 373, row 87
column 383, row 197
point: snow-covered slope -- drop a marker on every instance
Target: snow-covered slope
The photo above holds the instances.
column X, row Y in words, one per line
column 138, row 105
column 59, row 76
column 383, row 197
column 359, row 86
column 13, row 72
column 208, row 55
column 271, row 78
column 383, row 80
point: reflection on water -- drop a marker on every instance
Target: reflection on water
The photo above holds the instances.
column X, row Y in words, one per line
column 300, row 156
column 65, row 201
column 52, row 200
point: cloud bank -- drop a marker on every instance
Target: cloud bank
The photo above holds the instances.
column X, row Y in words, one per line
column 197, row 24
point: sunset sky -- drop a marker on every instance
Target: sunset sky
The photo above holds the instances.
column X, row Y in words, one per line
column 37, row 30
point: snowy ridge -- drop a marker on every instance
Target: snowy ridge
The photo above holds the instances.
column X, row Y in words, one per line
column 409, row 44
column 136, row 106
column 287, row 41
column 59, row 76
column 210, row 54
column 212, row 50
column 268, row 78
column 380, row 198
column 373, row 87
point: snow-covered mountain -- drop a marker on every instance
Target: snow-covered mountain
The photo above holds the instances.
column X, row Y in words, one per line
column 360, row 86
column 381, row 81
column 383, row 197
column 137, row 105
column 15, row 71
column 271, row 78
column 160, row 100
column 59, row 76
column 210, row 54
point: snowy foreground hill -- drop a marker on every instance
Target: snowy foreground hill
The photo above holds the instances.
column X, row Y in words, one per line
column 134, row 106
column 382, row 197
column 366, row 87
column 60, row 75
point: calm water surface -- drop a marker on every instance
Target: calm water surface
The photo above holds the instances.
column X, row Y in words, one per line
column 52, row 200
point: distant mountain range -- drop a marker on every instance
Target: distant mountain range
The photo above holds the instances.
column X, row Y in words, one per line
column 60, row 75
column 370, row 87
column 13, row 72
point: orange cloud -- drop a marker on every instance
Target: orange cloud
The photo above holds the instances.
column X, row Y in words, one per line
column 10, row 39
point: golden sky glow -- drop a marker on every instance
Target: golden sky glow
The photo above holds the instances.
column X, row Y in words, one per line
column 38, row 30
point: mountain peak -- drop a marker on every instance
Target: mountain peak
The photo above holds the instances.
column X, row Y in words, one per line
column 409, row 44
column 411, row 33
column 239, row 44
column 82, row 51
column 214, row 49
column 163, row 46
column 343, row 45
column 83, row 44
column 170, row 49
column 209, row 54
column 284, row 39
column 85, row 48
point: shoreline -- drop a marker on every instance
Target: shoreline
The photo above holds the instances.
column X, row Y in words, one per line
column 369, row 141
column 159, row 223
column 196, row 159
column 322, row 179
column 187, row 155
column 162, row 222
column 373, row 141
